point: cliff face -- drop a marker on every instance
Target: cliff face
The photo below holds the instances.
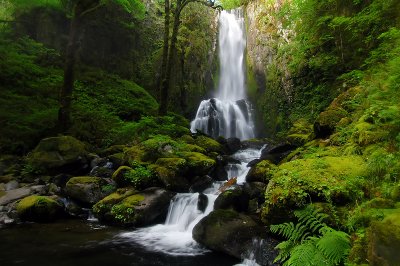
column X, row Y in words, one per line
column 269, row 81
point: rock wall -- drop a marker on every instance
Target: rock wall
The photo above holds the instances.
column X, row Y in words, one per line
column 268, row 77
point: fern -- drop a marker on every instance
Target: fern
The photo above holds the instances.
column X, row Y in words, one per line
column 310, row 241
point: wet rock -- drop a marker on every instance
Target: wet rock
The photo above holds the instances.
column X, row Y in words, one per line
column 202, row 202
column 101, row 171
column 233, row 198
column 233, row 145
column 227, row 231
column 5, row 219
column 200, row 183
column 87, row 189
column 130, row 207
column 219, row 173
column 277, row 153
column 61, row 180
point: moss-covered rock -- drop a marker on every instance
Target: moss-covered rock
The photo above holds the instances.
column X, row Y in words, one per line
column 232, row 198
column 119, row 175
column 209, row 144
column 59, row 154
column 170, row 178
column 139, row 176
column 197, row 163
column 261, row 172
column 87, row 189
column 130, row 207
column 300, row 133
column 384, row 241
column 337, row 179
column 38, row 208
column 326, row 122
column 227, row 231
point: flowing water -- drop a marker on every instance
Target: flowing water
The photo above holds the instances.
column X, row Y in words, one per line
column 228, row 115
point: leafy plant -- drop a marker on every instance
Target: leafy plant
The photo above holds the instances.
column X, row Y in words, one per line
column 311, row 241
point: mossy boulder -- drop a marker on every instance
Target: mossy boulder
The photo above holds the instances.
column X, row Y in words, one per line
column 233, row 198
column 130, row 207
column 119, row 176
column 300, row 133
column 227, row 231
column 134, row 153
column 339, row 179
column 384, row 241
column 137, row 176
column 59, row 154
column 88, row 189
column 197, row 163
column 170, row 177
column 39, row 208
column 326, row 122
column 261, row 172
column 209, row 144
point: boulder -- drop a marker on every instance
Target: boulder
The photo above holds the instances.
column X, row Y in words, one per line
column 209, row 144
column 227, row 231
column 170, row 178
column 130, row 207
column 326, row 122
column 232, row 198
column 219, row 173
column 260, row 172
column 276, row 153
column 233, row 145
column 198, row 163
column 63, row 154
column 202, row 202
column 200, row 183
column 13, row 195
column 88, row 189
column 38, row 208
column 384, row 241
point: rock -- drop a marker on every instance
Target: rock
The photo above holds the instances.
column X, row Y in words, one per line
column 227, row 231
column 13, row 195
column 97, row 161
column 60, row 155
column 198, row 163
column 39, row 189
column 115, row 149
column 255, row 143
column 312, row 179
column 130, row 207
column 12, row 185
column 209, row 144
column 202, row 202
column 118, row 175
column 38, row 208
column 326, row 122
column 87, row 189
column 5, row 219
column 171, row 179
column 200, row 183
column 261, row 172
column 117, row 159
column 219, row 173
column 384, row 241
column 233, row 198
column 61, row 180
column 300, row 133
column 276, row 153
column 101, row 171
column 233, row 145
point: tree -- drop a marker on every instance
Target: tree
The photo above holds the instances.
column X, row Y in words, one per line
column 77, row 11
column 169, row 48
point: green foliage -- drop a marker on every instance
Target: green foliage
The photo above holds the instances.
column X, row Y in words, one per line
column 139, row 177
column 311, row 241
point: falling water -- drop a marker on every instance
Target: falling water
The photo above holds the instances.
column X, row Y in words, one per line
column 228, row 114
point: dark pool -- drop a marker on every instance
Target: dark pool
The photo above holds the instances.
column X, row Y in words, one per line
column 75, row 242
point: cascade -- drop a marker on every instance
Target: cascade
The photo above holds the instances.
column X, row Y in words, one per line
column 227, row 115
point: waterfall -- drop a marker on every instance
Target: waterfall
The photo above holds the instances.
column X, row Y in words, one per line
column 228, row 114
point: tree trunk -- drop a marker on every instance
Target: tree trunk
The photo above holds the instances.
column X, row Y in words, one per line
column 183, row 94
column 165, row 85
column 64, row 113
column 164, row 58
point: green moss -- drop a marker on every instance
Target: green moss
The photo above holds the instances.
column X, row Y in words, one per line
column 38, row 208
column 198, row 163
column 337, row 179
column 105, row 205
column 124, row 212
column 300, row 133
column 174, row 164
column 209, row 144
column 84, row 180
column 261, row 172
column 331, row 117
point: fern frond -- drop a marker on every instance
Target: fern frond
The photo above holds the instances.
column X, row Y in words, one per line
column 284, row 250
column 334, row 245
column 302, row 254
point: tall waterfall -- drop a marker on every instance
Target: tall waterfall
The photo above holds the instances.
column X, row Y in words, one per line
column 228, row 114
